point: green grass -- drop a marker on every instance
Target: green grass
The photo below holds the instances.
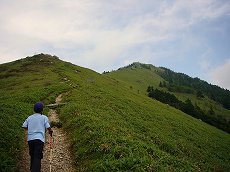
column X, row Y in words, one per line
column 137, row 78
column 140, row 78
column 111, row 126
column 205, row 104
column 23, row 83
column 116, row 129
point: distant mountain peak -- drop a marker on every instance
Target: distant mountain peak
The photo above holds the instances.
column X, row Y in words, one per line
column 42, row 56
column 138, row 65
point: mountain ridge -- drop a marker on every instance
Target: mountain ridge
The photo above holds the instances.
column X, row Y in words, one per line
column 211, row 100
column 160, row 68
column 162, row 71
column 112, row 126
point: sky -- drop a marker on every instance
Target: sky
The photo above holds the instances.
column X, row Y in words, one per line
column 191, row 37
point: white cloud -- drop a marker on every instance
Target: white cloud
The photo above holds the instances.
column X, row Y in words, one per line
column 220, row 75
column 205, row 64
column 98, row 33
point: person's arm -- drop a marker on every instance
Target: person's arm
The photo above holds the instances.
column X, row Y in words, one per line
column 25, row 132
column 50, row 131
column 25, row 125
column 47, row 126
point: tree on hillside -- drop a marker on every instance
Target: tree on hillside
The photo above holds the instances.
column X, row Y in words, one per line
column 160, row 85
column 179, row 82
column 211, row 111
column 189, row 108
column 199, row 94
column 150, row 89
column 226, row 102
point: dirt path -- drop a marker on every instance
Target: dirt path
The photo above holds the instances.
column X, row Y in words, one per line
column 61, row 156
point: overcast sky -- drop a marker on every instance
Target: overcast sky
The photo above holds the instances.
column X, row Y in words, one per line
column 192, row 37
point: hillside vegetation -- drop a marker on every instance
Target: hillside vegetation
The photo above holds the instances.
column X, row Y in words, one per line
column 24, row 82
column 112, row 125
column 210, row 103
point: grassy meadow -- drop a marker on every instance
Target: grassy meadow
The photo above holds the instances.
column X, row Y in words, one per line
column 23, row 83
column 112, row 126
column 116, row 129
column 139, row 78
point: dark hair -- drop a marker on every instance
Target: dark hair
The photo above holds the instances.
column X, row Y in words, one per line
column 38, row 107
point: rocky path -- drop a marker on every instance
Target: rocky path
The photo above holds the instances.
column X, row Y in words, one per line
column 61, row 156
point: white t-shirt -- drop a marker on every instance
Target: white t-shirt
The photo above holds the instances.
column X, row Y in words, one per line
column 36, row 125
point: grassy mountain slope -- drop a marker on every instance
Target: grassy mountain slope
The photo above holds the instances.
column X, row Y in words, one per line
column 112, row 126
column 24, row 82
column 140, row 76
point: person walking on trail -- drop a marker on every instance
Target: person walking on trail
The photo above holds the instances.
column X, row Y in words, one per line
column 35, row 126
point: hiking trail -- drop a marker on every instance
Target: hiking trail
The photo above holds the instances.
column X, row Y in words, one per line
column 61, row 155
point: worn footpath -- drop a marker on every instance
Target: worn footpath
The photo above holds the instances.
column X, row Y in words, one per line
column 60, row 159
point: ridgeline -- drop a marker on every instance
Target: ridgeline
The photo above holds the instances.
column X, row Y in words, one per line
column 112, row 123
column 196, row 97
